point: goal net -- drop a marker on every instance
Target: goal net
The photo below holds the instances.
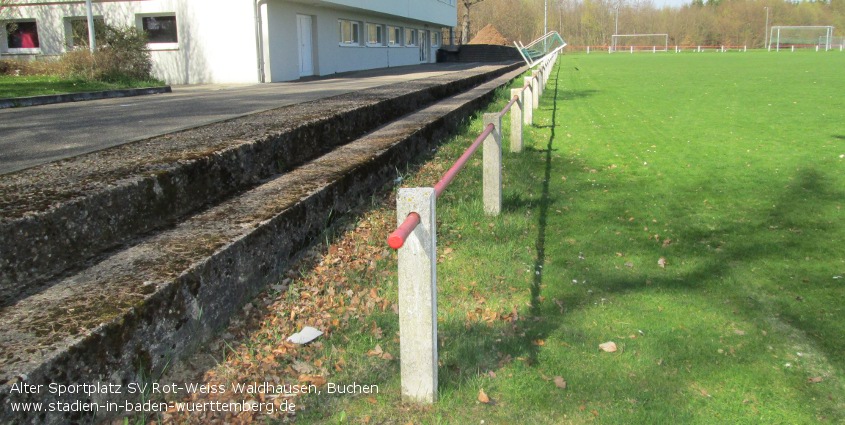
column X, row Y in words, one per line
column 801, row 37
column 639, row 42
column 833, row 42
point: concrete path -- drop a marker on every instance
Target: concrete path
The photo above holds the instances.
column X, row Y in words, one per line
column 41, row 134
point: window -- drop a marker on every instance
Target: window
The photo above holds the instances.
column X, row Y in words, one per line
column 22, row 35
column 435, row 38
column 349, row 32
column 77, row 31
column 410, row 37
column 394, row 36
column 375, row 35
column 160, row 29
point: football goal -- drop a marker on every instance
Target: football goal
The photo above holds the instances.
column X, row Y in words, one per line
column 639, row 42
column 801, row 37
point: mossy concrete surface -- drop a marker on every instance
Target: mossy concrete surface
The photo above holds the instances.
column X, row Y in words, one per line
column 60, row 215
column 127, row 317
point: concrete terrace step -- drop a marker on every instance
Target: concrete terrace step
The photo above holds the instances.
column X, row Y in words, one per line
column 148, row 304
column 60, row 215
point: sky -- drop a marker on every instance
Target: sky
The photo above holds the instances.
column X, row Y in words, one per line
column 675, row 3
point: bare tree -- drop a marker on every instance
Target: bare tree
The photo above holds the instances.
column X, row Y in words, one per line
column 464, row 19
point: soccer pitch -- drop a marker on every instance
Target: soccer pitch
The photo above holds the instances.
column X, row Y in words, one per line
column 730, row 168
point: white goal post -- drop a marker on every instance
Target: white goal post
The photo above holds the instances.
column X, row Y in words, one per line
column 658, row 42
column 792, row 36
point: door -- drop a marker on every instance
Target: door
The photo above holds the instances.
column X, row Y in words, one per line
column 306, row 45
column 425, row 43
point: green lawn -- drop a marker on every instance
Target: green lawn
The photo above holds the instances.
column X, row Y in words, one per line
column 728, row 166
column 25, row 86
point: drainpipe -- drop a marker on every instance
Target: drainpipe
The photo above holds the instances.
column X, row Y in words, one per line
column 259, row 40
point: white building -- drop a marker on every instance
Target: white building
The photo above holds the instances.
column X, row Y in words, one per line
column 241, row 41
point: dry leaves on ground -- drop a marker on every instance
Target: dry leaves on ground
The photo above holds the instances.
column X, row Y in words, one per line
column 338, row 287
column 482, row 397
column 608, row 347
column 560, row 382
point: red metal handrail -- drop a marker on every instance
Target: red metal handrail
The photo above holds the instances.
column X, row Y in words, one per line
column 400, row 235
column 450, row 175
column 508, row 106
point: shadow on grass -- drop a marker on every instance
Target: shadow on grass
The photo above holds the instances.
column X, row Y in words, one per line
column 574, row 94
column 769, row 234
column 480, row 347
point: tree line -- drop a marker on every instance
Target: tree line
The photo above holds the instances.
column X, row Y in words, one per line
column 701, row 22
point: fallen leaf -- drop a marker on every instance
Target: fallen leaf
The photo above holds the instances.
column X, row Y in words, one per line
column 667, row 242
column 608, row 347
column 313, row 379
column 302, row 367
column 377, row 351
column 482, row 396
column 662, row 263
column 560, row 382
column 815, row 380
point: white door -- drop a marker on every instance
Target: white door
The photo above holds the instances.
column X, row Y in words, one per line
column 306, row 47
column 424, row 43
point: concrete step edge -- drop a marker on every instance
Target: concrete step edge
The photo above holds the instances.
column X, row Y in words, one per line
column 51, row 240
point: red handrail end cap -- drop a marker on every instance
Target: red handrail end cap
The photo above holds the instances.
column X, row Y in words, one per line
column 395, row 242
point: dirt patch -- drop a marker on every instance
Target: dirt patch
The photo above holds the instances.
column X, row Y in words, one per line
column 490, row 35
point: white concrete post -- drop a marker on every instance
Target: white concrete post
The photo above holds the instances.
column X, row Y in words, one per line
column 528, row 96
column 538, row 76
column 418, row 297
column 535, row 92
column 493, row 165
column 517, row 110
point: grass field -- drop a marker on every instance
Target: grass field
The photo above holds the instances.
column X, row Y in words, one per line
column 686, row 207
column 24, row 86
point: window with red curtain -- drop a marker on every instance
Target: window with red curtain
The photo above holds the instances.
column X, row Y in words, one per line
column 22, row 35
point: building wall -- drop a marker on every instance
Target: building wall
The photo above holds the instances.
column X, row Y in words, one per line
column 440, row 12
column 243, row 41
column 330, row 57
column 216, row 38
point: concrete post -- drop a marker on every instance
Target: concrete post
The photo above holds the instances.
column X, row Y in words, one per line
column 418, row 297
column 517, row 110
column 493, row 165
column 538, row 75
column 535, row 92
column 528, row 96
column 541, row 80
column 547, row 71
